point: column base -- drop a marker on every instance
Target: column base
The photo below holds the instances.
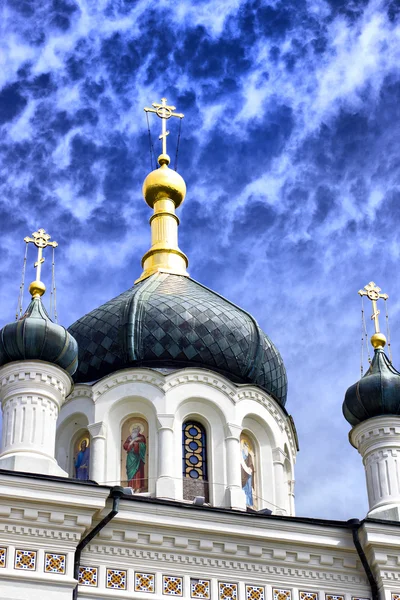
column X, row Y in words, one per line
column 28, row 462
column 390, row 512
column 236, row 498
column 168, row 488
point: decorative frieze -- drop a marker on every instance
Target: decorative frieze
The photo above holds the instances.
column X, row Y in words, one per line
column 172, row 585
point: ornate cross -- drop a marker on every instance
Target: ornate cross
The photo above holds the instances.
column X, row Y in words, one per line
column 41, row 240
column 372, row 291
column 164, row 112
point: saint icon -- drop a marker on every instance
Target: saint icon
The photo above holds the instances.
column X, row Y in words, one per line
column 82, row 461
column 135, row 447
column 248, row 470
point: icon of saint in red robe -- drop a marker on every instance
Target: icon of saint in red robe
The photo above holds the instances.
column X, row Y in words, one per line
column 135, row 447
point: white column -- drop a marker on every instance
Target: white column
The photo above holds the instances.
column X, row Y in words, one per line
column 236, row 497
column 281, row 488
column 31, row 395
column 98, row 452
column 378, row 442
column 167, row 485
column 291, row 483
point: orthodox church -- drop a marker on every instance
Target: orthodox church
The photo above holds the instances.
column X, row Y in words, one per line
column 147, row 451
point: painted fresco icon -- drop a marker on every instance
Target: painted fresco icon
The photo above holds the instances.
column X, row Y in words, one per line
column 134, row 454
column 248, row 471
column 82, row 458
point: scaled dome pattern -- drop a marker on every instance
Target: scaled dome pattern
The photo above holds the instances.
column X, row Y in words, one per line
column 35, row 337
column 375, row 394
column 171, row 321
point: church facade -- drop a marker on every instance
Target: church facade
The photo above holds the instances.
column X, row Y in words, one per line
column 147, row 450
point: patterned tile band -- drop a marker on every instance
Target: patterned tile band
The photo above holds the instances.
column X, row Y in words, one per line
column 3, row 555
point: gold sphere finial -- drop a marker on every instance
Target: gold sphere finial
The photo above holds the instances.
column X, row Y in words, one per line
column 378, row 340
column 37, row 289
column 163, row 159
column 164, row 183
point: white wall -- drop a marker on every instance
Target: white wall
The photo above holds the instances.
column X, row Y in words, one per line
column 166, row 402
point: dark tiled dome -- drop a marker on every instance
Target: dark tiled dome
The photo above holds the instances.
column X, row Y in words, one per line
column 375, row 394
column 35, row 337
column 173, row 321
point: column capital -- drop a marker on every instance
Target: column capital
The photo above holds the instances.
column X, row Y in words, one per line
column 278, row 456
column 232, row 431
column 98, row 429
column 165, row 421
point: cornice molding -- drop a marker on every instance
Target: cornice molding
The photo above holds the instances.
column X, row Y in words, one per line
column 34, row 373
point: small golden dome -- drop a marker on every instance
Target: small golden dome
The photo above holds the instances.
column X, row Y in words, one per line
column 164, row 183
column 378, row 340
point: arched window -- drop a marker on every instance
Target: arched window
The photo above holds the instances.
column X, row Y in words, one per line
column 81, row 456
column 194, row 460
column 248, row 462
column 134, row 453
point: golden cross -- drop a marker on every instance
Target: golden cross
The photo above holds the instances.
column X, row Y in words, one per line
column 164, row 112
column 372, row 291
column 41, row 240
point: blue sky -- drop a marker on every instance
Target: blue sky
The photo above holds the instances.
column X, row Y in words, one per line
column 290, row 151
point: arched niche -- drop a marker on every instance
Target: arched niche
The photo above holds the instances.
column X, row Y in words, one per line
column 117, row 417
column 68, row 433
column 79, row 462
column 250, row 469
column 261, row 435
column 135, row 454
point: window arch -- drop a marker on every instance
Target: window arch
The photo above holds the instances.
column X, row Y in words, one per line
column 194, row 460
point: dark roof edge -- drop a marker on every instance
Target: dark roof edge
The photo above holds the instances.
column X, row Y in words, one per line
column 57, row 478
